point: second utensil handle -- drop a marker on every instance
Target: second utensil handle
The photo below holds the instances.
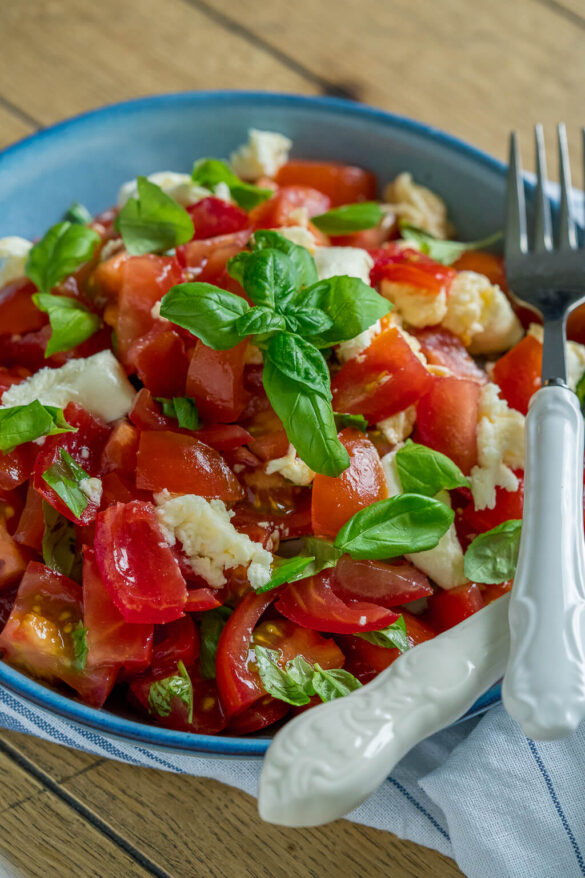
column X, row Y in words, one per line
column 544, row 684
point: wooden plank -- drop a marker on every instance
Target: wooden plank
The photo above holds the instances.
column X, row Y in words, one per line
column 12, row 126
column 15, row 786
column 58, row 762
column 81, row 55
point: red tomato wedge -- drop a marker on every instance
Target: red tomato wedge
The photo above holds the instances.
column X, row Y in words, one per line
column 121, row 449
column 517, row 373
column 16, row 466
column 183, row 465
column 31, row 524
column 447, row 419
column 489, row 264
column 18, row 312
column 508, row 506
column 385, row 379
column 213, row 217
column 211, row 255
column 447, row 608
column 160, row 360
column 385, row 584
column 215, row 380
column 201, row 599
column 262, row 713
column 344, row 184
column 442, row 348
column 176, row 642
column 138, row 569
column 335, row 500
column 411, row 268
column 13, row 558
column 365, row 660
column 312, row 603
column 275, row 212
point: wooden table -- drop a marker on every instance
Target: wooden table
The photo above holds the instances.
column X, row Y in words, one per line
column 474, row 71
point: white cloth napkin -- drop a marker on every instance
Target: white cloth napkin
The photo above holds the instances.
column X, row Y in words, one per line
column 481, row 792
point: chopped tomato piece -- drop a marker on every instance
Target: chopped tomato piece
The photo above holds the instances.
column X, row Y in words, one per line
column 137, row 567
column 447, row 608
column 275, row 212
column 365, row 660
column 508, row 506
column 118, row 487
column 13, row 559
column 215, row 381
column 31, row 524
column 160, row 360
column 146, row 414
column 223, row 437
column 201, row 599
column 270, row 446
column 262, row 713
column 176, row 642
column 9, row 377
column 344, row 184
column 517, row 373
column 184, row 465
column 335, row 500
column 411, row 268
column 491, row 593
column 489, row 264
column 121, row 449
column 447, row 419
column 213, row 217
column 384, row 583
column 442, row 348
column 211, row 255
column 18, row 312
column 16, row 466
column 291, row 640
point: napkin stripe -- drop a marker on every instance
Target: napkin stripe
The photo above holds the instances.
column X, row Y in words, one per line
column 557, row 804
column 420, row 808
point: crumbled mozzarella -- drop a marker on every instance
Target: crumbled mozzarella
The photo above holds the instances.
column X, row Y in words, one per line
column 417, row 206
column 417, row 307
column 155, row 312
column 111, row 248
column 398, row 427
column 13, row 255
column 209, row 540
column 575, row 355
column 222, row 191
column 291, row 467
column 179, row 186
column 332, row 261
column 480, row 314
column 262, row 156
column 298, row 235
column 500, row 447
column 347, row 350
column 98, row 383
column 92, row 488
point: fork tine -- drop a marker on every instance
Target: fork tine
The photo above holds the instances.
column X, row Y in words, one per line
column 567, row 232
column 542, row 223
column 516, row 242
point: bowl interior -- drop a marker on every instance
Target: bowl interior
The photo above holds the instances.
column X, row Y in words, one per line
column 87, row 158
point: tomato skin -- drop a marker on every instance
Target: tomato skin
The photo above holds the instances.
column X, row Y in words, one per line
column 491, row 593
column 409, row 267
column 387, row 584
column 365, row 660
column 31, row 524
column 184, row 465
column 335, row 500
column 448, row 608
column 517, row 373
column 160, row 360
column 9, row 377
column 443, row 348
column 223, row 437
column 121, row 449
column 146, row 414
column 275, row 212
column 447, row 419
column 270, row 446
column 291, row 640
column 508, row 506
column 136, row 566
column 13, row 559
column 18, row 312
column 385, row 379
column 211, row 254
column 175, row 642
column 312, row 603
column 213, row 217
column 215, row 380
column 489, row 264
column 259, row 715
column 111, row 640
column 201, row 599
column 16, row 466
column 344, row 184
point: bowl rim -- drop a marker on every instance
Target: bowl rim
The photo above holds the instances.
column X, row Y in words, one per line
column 89, row 720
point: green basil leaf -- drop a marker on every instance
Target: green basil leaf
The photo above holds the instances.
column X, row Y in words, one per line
column 269, row 276
column 259, row 320
column 182, row 408
column 207, row 311
column 580, row 391
column 80, row 648
column 424, row 471
column 286, row 570
column 63, row 249
column 351, row 304
column 397, row 526
column 344, row 419
column 301, row 672
column 307, row 321
column 78, row 214
column 300, row 361
column 324, row 553
column 153, row 222
column 308, row 421
column 334, row 683
column 349, row 218
column 276, row 680
column 212, row 624
column 163, row 691
column 64, row 477
column 237, row 265
column 492, row 556
column 392, row 637
column 71, row 322
column 25, row 423
column 210, row 172
column 299, row 256
column 445, row 252
column 59, row 544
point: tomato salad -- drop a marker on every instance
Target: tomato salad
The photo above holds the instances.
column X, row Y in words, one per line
column 260, row 433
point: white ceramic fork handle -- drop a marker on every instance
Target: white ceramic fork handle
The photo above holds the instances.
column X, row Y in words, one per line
column 544, row 684
column 326, row 761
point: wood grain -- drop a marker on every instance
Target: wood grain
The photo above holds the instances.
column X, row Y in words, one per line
column 12, row 127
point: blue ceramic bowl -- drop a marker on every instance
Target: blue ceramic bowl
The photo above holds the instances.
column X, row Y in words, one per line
column 87, row 158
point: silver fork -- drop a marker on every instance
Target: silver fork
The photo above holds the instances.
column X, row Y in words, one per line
column 544, row 683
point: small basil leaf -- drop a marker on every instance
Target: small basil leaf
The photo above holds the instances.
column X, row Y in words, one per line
column 287, row 570
column 299, row 256
column 351, row 304
column 59, row 544
column 237, row 264
column 580, row 391
column 308, row 321
column 80, row 648
column 269, row 276
column 78, row 214
column 207, row 311
column 300, row 361
column 308, row 421
column 210, row 172
column 445, row 252
column 276, row 680
column 212, row 624
column 25, row 423
column 64, row 477
column 325, row 555
column 71, row 322
column 334, row 683
column 153, row 222
column 163, row 691
column 301, row 672
column 349, row 218
column 492, row 556
column 182, row 408
column 392, row 637
column 344, row 419
column 424, row 471
column 63, row 249
column 399, row 525
column 259, row 320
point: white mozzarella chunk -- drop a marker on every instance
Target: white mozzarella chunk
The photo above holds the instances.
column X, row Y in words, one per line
column 98, row 383
column 398, row 427
column 155, row 312
column 347, row 350
column 13, row 255
column 291, row 467
column 500, row 448
column 262, row 156
column 209, row 540
column 480, row 314
column 93, row 489
column 180, row 187
column 417, row 206
column 353, row 261
column 298, row 235
column 417, row 307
